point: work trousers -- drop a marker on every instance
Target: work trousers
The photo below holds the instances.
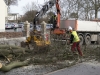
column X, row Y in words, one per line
column 75, row 46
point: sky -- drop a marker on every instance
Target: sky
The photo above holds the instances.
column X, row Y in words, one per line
column 21, row 4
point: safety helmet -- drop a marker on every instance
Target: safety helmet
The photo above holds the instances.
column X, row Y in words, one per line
column 70, row 28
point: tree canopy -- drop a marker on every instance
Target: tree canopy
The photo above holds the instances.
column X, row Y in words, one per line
column 11, row 2
column 78, row 9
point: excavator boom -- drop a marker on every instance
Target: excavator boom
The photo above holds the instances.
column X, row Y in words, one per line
column 58, row 13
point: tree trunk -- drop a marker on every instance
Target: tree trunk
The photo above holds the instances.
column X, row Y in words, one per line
column 96, row 13
column 12, row 65
column 4, row 52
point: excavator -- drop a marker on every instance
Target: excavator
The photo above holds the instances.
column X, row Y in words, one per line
column 36, row 39
column 44, row 9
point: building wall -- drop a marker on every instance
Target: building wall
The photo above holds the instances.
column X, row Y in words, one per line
column 3, row 14
column 13, row 17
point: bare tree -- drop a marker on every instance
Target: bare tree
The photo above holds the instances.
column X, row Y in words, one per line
column 78, row 9
column 29, row 15
column 31, row 7
column 67, row 7
column 90, row 7
column 11, row 2
column 83, row 9
column 95, row 6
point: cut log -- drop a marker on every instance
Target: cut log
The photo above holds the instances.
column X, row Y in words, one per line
column 28, row 50
column 0, row 65
column 9, row 47
column 4, row 46
column 12, row 65
column 4, row 52
column 18, row 51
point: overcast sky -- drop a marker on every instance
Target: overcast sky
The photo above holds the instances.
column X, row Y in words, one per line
column 21, row 4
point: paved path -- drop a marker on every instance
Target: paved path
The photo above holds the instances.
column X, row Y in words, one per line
column 12, row 41
column 86, row 68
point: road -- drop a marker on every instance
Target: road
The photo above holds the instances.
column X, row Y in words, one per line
column 85, row 68
column 12, row 30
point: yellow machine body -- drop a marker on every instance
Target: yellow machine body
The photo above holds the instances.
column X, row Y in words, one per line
column 38, row 40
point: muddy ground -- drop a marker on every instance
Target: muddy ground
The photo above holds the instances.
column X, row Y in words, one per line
column 57, row 57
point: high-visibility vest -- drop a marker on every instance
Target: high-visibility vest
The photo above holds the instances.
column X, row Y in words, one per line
column 76, row 37
column 54, row 17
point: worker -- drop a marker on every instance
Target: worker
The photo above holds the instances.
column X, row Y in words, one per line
column 53, row 20
column 74, row 41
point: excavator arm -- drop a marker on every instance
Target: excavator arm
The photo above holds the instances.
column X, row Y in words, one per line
column 44, row 9
column 58, row 13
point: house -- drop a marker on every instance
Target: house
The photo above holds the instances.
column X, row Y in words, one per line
column 13, row 17
column 3, row 15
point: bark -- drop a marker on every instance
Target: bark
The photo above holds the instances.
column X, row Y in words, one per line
column 17, row 51
column 4, row 52
column 9, row 47
column 12, row 65
column 11, row 53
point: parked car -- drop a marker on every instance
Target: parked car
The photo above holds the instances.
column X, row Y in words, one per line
column 15, row 25
column 8, row 26
column 20, row 24
column 38, row 27
column 49, row 26
column 31, row 27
